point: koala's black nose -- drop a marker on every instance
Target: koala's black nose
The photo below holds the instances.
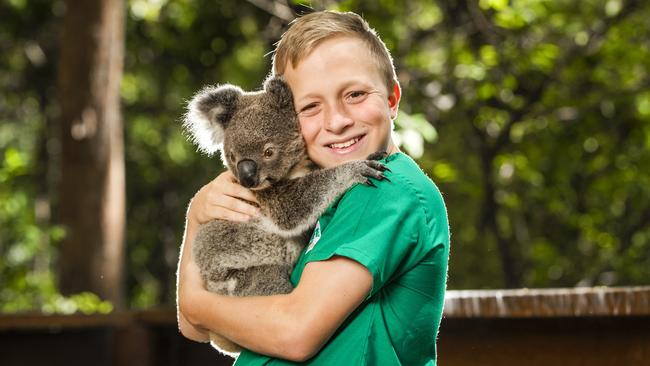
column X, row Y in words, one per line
column 247, row 173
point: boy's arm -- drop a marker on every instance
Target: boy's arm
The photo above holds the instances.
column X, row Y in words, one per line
column 187, row 329
column 222, row 198
column 293, row 326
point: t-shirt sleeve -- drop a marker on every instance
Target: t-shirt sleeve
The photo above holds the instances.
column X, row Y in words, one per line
column 377, row 227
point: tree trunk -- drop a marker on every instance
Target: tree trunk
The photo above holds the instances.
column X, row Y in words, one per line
column 92, row 191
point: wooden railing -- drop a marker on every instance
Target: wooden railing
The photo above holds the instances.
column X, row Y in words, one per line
column 533, row 327
column 594, row 326
column 564, row 302
column 148, row 337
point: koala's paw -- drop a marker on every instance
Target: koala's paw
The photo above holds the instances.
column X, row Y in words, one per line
column 377, row 155
column 372, row 169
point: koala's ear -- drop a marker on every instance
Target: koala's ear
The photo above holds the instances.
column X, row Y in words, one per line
column 280, row 91
column 208, row 114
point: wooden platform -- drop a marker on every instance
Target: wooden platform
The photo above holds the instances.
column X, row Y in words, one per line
column 595, row 327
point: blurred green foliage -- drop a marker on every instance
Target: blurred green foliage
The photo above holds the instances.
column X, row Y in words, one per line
column 533, row 117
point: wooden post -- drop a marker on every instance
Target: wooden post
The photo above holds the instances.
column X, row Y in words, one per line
column 92, row 188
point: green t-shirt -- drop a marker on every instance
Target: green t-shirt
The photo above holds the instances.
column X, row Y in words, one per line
column 400, row 232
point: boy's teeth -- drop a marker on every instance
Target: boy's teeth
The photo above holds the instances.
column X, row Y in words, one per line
column 345, row 144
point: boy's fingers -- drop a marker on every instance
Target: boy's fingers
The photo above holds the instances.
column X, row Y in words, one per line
column 229, row 176
column 229, row 215
column 236, row 216
column 241, row 192
column 236, row 205
column 229, row 186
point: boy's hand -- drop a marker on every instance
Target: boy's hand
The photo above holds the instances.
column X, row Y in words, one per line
column 223, row 198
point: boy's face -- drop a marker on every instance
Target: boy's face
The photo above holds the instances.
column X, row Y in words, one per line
column 343, row 105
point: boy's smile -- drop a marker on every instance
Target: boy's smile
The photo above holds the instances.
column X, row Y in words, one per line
column 344, row 106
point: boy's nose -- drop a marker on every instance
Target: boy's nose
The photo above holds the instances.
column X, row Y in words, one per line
column 337, row 120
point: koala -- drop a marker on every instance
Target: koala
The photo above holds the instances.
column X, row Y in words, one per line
column 259, row 138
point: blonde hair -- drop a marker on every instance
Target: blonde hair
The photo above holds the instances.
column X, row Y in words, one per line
column 307, row 32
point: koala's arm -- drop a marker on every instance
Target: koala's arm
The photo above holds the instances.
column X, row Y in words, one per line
column 295, row 205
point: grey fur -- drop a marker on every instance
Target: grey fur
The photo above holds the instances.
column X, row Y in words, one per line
column 257, row 257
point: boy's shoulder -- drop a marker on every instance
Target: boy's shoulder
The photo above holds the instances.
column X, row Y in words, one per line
column 406, row 175
column 407, row 184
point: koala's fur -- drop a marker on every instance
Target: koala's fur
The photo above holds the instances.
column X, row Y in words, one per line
column 260, row 141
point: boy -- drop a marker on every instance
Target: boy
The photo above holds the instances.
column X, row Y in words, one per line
column 369, row 287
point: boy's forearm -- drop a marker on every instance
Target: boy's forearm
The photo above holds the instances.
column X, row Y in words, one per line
column 262, row 324
column 188, row 329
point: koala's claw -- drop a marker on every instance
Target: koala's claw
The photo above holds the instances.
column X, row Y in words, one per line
column 376, row 170
column 368, row 182
column 377, row 165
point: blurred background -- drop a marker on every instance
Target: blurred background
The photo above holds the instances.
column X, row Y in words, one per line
column 532, row 117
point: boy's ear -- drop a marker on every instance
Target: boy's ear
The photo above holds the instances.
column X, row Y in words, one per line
column 208, row 114
column 394, row 96
column 280, row 91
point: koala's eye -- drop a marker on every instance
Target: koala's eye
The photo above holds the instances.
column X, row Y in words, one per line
column 268, row 153
column 231, row 156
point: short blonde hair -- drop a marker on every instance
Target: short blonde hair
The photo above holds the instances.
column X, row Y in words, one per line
column 307, row 32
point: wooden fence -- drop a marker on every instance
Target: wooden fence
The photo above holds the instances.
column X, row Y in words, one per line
column 595, row 327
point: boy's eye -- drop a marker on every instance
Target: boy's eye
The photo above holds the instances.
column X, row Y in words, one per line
column 309, row 109
column 356, row 95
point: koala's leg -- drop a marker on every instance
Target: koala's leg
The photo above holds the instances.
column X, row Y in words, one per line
column 254, row 281
column 225, row 285
column 263, row 280
column 224, row 345
column 222, row 245
column 292, row 207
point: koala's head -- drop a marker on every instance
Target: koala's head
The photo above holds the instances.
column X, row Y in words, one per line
column 257, row 132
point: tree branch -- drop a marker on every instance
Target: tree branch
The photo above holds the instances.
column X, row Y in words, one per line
column 278, row 9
